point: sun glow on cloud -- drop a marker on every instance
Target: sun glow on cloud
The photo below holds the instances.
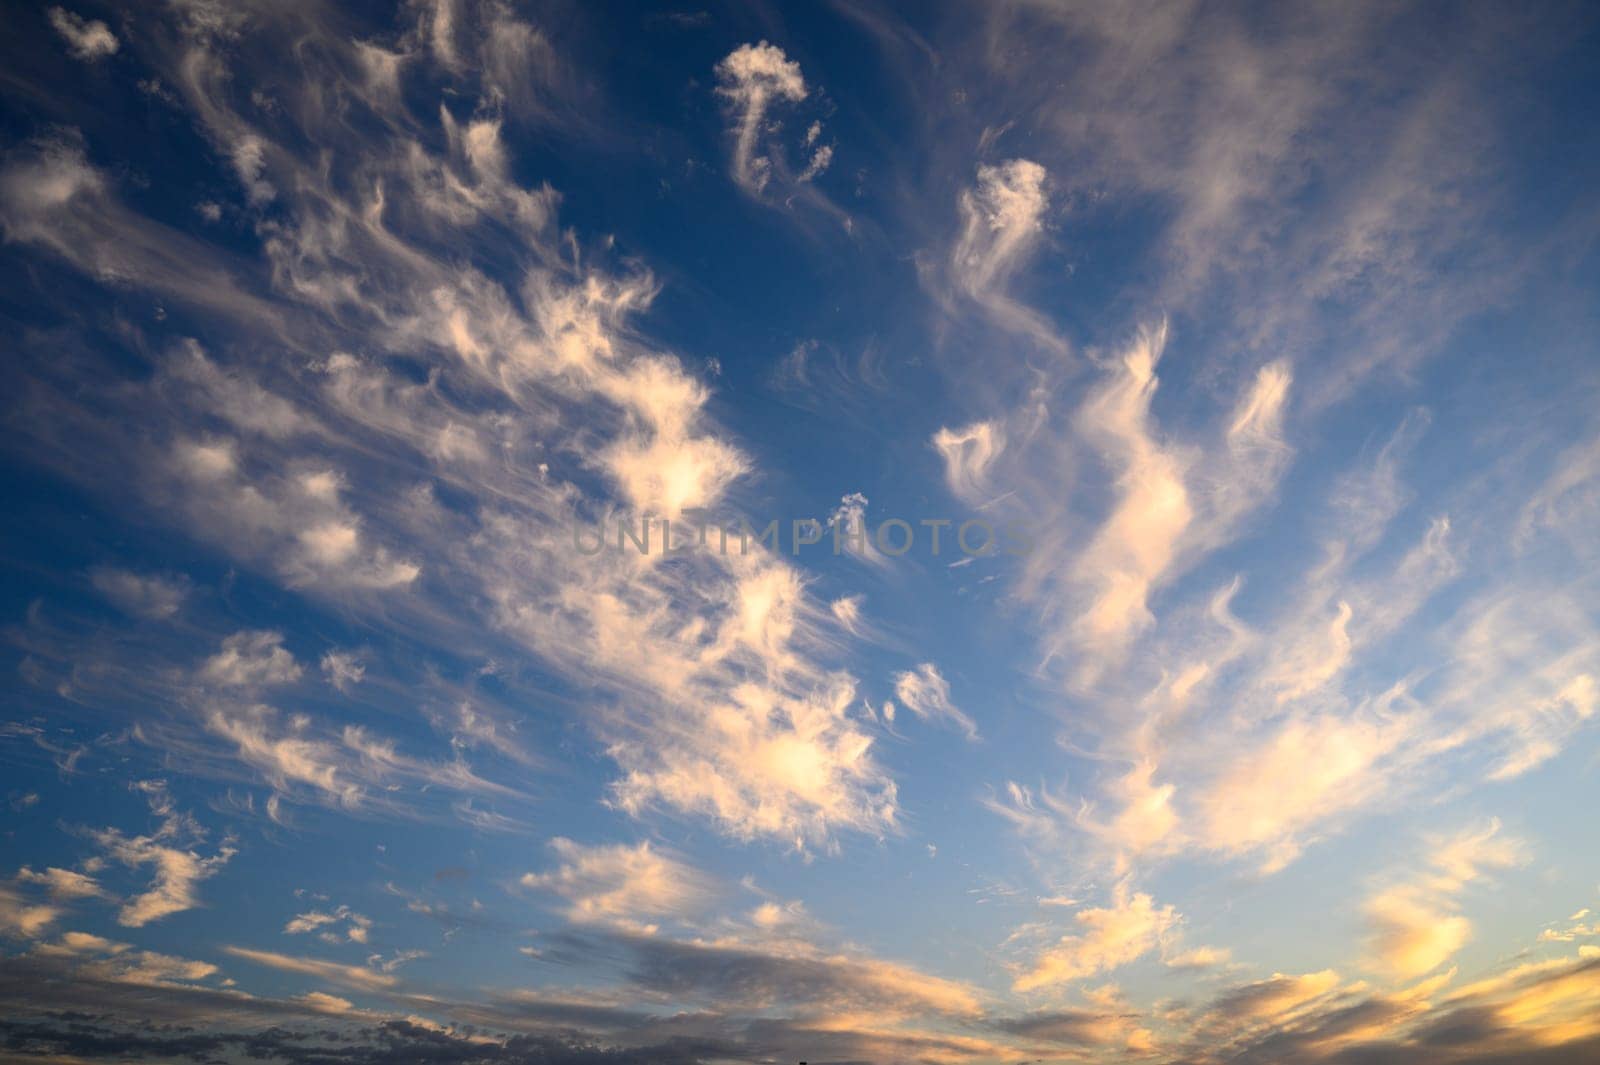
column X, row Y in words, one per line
column 1272, row 741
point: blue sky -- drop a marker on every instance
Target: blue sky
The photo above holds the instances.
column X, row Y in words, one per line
column 1263, row 334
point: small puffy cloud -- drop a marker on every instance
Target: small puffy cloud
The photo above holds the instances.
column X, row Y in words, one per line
column 87, row 39
column 1199, row 958
column 752, row 78
column 37, row 185
column 1002, row 217
column 771, row 916
column 848, row 532
column 62, row 883
column 846, row 610
column 323, row 1002
column 820, row 159
column 248, row 153
column 1575, row 928
column 926, row 693
column 24, row 919
column 298, row 522
column 84, row 943
column 666, row 464
column 395, row 960
column 251, row 660
column 621, row 885
column 969, row 453
column 354, row 926
column 1110, row 936
column 152, row 596
column 343, row 669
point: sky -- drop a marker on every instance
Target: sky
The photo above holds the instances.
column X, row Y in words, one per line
column 600, row 533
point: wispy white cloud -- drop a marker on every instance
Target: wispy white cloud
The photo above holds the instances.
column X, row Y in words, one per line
column 87, row 39
column 52, row 197
column 1198, row 958
column 1109, row 937
column 348, row 767
column 420, row 374
column 324, row 481
column 664, row 457
column 1416, row 924
column 926, row 693
column 62, row 883
column 355, row 976
column 969, row 453
column 355, row 926
column 1299, row 776
column 848, row 533
column 395, row 961
column 298, row 522
column 251, row 660
column 630, row 887
column 153, row 596
column 1173, row 501
column 22, row 918
column 343, row 669
column 1139, row 541
column 753, row 78
column 1002, row 221
column 170, row 852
